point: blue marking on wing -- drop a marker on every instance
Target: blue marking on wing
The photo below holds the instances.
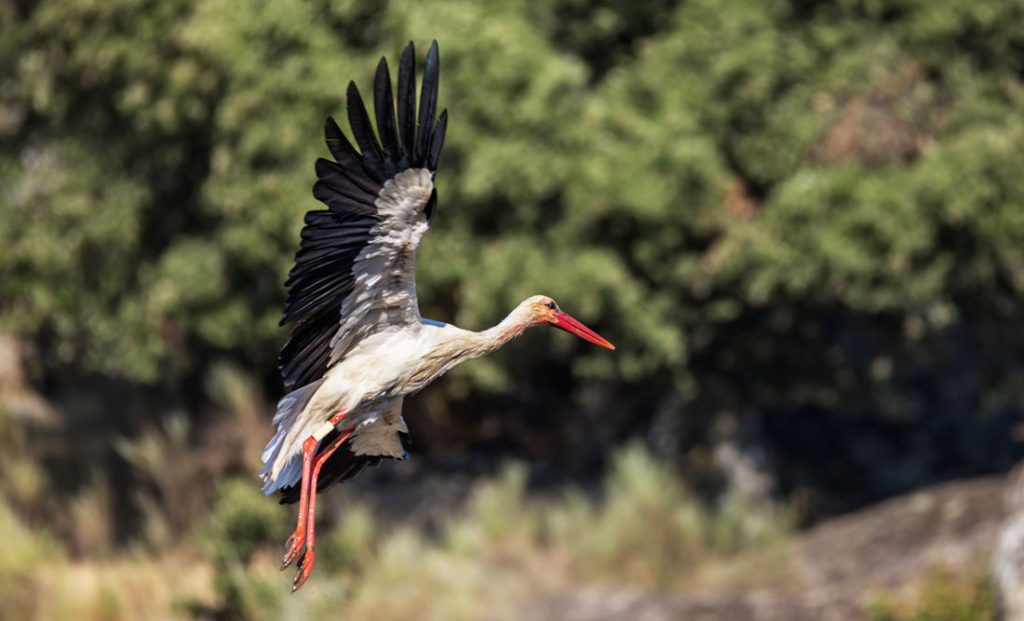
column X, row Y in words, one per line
column 432, row 322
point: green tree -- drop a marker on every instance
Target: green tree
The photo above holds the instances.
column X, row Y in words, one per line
column 800, row 216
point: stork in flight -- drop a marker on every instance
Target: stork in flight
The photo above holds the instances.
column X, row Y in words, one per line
column 358, row 344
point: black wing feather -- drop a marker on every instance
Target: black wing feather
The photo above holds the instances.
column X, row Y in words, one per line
column 428, row 103
column 346, row 155
column 437, row 140
column 359, row 121
column 333, row 176
column 407, row 99
column 332, row 239
column 431, row 205
column 384, row 107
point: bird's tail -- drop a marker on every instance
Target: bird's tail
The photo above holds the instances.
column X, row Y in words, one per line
column 288, row 410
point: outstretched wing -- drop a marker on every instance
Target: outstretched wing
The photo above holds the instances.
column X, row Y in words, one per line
column 354, row 273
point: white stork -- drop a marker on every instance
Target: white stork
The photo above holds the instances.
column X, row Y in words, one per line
column 358, row 344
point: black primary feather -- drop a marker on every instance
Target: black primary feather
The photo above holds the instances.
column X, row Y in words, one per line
column 384, row 107
column 437, row 140
column 407, row 98
column 359, row 122
column 322, row 276
column 428, row 103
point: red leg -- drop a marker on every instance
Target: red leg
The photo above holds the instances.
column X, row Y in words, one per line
column 297, row 540
column 294, row 544
column 305, row 567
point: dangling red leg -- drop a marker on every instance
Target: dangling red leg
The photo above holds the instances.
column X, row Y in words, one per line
column 305, row 567
column 295, row 543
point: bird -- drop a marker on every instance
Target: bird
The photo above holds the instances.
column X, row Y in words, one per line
column 357, row 345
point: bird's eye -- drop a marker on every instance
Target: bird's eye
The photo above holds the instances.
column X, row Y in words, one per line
column 552, row 305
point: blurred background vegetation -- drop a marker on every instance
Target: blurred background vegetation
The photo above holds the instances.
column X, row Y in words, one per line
column 801, row 222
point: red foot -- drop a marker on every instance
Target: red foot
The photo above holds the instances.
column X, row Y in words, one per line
column 293, row 547
column 305, row 568
column 307, row 505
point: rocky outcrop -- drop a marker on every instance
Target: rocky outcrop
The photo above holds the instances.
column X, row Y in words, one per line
column 1008, row 560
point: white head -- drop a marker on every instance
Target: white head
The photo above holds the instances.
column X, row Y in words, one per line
column 542, row 310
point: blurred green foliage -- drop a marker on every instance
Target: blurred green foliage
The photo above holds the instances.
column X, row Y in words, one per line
column 241, row 522
column 651, row 531
column 784, row 211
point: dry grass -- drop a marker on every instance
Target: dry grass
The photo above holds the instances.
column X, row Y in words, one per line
column 21, row 555
column 37, row 582
column 193, row 558
column 506, row 547
column 502, row 548
column 126, row 588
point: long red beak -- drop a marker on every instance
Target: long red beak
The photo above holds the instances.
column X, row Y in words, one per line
column 566, row 322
